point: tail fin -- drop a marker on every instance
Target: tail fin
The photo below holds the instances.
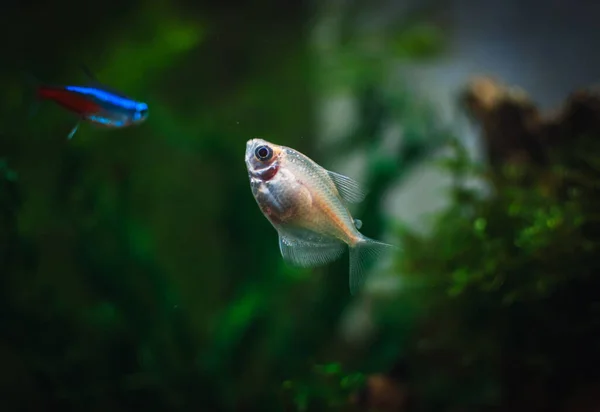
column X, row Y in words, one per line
column 362, row 255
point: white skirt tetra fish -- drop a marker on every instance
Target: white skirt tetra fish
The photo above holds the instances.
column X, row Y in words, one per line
column 305, row 204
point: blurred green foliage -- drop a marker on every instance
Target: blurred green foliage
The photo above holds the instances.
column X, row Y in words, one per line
column 329, row 388
column 512, row 278
column 137, row 271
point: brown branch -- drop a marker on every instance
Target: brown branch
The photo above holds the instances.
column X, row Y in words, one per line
column 513, row 128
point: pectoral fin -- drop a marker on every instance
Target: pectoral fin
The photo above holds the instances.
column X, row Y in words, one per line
column 73, row 131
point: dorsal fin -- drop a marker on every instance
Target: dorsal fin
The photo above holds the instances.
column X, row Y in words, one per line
column 98, row 84
column 349, row 189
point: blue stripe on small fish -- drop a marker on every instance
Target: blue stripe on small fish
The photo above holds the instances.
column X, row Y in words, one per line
column 107, row 97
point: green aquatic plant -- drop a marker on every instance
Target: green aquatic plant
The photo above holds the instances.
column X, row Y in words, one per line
column 139, row 273
column 512, row 273
column 328, row 387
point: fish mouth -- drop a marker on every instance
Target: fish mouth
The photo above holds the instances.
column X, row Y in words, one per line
column 249, row 153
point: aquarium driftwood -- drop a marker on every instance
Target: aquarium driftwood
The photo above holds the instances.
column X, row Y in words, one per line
column 513, row 319
column 510, row 320
column 515, row 130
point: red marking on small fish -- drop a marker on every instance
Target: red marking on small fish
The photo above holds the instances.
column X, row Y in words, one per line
column 69, row 100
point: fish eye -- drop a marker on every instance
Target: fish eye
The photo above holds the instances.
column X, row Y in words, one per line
column 143, row 112
column 263, row 153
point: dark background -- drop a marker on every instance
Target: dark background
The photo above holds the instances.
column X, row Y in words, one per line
column 137, row 271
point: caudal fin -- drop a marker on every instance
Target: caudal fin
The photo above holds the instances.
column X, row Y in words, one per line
column 362, row 256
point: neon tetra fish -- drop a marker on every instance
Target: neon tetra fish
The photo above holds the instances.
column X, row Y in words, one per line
column 305, row 204
column 96, row 104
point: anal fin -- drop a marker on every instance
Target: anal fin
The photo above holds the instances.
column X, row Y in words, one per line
column 309, row 254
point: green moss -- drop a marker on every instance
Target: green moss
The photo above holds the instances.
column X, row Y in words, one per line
column 514, row 268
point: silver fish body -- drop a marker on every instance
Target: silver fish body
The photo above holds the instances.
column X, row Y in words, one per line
column 305, row 203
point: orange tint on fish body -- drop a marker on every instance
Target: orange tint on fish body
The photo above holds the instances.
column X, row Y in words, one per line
column 309, row 208
column 333, row 220
column 301, row 203
column 306, row 205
